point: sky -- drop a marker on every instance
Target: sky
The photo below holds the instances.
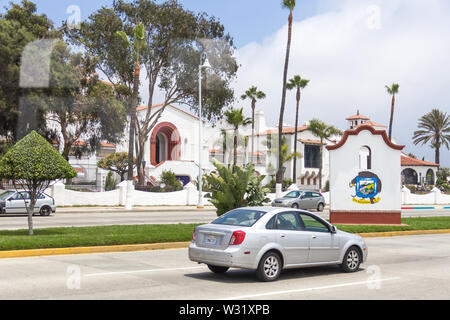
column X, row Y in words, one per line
column 348, row 49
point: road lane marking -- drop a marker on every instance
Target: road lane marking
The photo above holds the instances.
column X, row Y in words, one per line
column 139, row 271
column 310, row 289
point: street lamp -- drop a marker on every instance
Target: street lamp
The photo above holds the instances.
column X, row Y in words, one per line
column 204, row 63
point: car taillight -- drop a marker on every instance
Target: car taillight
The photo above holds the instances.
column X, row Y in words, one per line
column 193, row 235
column 53, row 201
column 237, row 238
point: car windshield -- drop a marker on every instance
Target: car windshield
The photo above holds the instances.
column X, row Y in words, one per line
column 6, row 195
column 293, row 194
column 240, row 217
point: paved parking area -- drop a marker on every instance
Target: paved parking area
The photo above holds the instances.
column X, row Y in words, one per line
column 411, row 267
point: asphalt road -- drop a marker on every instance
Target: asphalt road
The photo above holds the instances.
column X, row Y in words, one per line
column 98, row 217
column 409, row 267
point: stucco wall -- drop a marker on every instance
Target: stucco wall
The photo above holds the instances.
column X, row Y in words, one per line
column 344, row 167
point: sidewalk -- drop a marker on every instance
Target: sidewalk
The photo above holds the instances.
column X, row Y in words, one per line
column 135, row 209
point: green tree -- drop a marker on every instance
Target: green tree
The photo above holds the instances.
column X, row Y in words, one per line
column 116, row 162
column 290, row 5
column 79, row 104
column 434, row 128
column 231, row 189
column 299, row 84
column 253, row 95
column 136, row 46
column 33, row 164
column 323, row 131
column 174, row 44
column 236, row 118
column 19, row 26
column 393, row 91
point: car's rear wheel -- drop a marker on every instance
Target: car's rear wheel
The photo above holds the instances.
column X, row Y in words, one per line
column 320, row 207
column 45, row 211
column 269, row 268
column 352, row 260
column 217, row 269
column 295, row 206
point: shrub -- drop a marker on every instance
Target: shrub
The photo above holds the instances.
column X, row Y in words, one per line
column 169, row 182
column 231, row 190
column 110, row 182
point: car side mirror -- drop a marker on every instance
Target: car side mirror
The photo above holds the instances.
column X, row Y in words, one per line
column 333, row 229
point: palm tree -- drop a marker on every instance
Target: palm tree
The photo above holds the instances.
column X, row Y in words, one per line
column 392, row 90
column 254, row 95
column 296, row 83
column 136, row 46
column 237, row 119
column 289, row 4
column 435, row 128
column 323, row 131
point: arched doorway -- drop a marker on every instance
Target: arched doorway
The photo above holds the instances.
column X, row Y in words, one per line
column 430, row 177
column 409, row 176
column 165, row 143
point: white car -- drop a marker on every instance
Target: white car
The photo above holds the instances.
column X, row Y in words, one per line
column 269, row 240
column 16, row 202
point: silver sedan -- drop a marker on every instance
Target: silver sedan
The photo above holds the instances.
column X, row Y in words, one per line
column 269, row 240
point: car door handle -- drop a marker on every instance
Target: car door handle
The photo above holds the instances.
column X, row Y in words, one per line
column 283, row 236
column 314, row 237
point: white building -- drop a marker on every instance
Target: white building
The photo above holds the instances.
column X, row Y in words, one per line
column 173, row 145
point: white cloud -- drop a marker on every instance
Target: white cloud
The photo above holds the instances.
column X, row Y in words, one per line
column 350, row 52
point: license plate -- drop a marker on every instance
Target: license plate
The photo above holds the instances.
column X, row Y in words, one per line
column 211, row 240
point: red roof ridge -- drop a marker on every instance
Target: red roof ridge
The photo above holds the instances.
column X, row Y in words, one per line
column 360, row 128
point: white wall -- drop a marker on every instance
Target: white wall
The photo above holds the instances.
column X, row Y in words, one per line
column 344, row 167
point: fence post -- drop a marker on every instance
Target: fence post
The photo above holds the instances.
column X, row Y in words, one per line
column 192, row 194
column 405, row 195
column 437, row 194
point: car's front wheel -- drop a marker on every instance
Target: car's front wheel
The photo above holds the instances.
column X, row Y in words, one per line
column 295, row 206
column 352, row 260
column 269, row 268
column 217, row 269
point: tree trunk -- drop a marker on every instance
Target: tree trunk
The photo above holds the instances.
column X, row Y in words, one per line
column 283, row 103
column 253, row 129
column 294, row 178
column 392, row 117
column 437, row 152
column 235, row 147
column 321, row 164
column 132, row 112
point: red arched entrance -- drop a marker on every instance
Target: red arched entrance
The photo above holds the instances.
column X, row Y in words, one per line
column 165, row 143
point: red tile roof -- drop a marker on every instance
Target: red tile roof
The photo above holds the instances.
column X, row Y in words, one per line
column 307, row 141
column 410, row 162
column 358, row 117
column 287, row 130
column 373, row 124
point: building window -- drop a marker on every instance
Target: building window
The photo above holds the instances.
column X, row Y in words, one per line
column 365, row 158
column 312, row 156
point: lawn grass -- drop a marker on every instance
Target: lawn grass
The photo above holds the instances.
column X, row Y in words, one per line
column 146, row 234
column 420, row 223
column 94, row 236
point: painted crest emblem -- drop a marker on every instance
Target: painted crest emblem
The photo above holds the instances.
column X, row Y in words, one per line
column 367, row 186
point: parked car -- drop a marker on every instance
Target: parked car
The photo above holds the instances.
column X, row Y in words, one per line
column 14, row 202
column 301, row 200
column 269, row 240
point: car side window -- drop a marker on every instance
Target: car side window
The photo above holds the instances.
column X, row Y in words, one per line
column 315, row 195
column 288, row 221
column 312, row 224
column 271, row 225
column 308, row 195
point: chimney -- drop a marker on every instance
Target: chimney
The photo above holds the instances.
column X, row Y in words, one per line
column 260, row 122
